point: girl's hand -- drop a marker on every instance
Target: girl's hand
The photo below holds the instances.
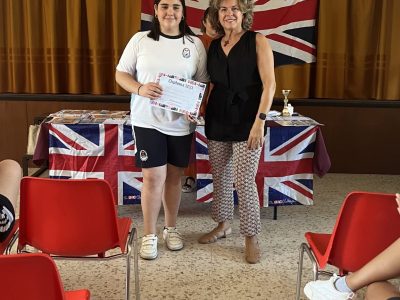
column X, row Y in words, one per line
column 190, row 118
column 151, row 90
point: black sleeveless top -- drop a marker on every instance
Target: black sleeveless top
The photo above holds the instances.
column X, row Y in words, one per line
column 233, row 103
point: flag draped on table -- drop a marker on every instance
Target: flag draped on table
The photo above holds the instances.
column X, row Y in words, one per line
column 103, row 151
column 289, row 26
column 285, row 172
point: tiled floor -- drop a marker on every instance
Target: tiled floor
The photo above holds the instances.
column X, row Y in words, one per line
column 219, row 271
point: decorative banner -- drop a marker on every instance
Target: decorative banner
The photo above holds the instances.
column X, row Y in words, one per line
column 103, row 151
column 285, row 172
column 289, row 26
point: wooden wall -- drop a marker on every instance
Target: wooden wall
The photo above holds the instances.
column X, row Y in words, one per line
column 360, row 140
column 361, row 136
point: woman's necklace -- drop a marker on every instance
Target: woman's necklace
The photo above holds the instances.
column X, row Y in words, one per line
column 227, row 41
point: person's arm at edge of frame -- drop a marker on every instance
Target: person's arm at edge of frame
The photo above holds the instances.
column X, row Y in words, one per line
column 150, row 90
column 265, row 63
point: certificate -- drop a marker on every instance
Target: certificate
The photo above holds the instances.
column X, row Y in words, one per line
column 180, row 95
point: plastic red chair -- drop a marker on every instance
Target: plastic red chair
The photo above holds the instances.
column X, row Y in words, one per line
column 5, row 246
column 34, row 277
column 367, row 224
column 75, row 218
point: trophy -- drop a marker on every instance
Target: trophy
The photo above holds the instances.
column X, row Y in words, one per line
column 286, row 109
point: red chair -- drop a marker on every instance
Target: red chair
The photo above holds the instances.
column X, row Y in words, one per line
column 34, row 277
column 5, row 246
column 366, row 225
column 75, row 218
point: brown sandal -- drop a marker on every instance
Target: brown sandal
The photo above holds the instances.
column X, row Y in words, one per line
column 214, row 235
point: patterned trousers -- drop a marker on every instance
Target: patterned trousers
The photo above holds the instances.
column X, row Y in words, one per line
column 233, row 162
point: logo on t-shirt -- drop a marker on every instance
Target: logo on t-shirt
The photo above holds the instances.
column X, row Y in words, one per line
column 186, row 52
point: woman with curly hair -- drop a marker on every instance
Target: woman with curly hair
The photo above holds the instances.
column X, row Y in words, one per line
column 241, row 67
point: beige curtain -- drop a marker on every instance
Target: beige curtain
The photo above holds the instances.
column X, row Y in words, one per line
column 64, row 46
column 73, row 46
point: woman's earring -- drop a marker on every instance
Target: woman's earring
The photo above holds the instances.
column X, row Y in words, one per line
column 183, row 18
column 155, row 16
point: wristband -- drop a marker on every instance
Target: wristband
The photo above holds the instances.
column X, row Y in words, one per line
column 139, row 89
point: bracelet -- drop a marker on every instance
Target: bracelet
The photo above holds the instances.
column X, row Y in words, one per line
column 139, row 89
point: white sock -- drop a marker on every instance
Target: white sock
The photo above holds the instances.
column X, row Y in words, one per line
column 341, row 285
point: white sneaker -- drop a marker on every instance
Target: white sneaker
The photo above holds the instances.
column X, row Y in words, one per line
column 172, row 238
column 325, row 290
column 149, row 247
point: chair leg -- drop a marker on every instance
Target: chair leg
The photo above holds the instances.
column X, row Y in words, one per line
column 313, row 261
column 132, row 241
column 25, row 160
column 128, row 273
column 300, row 270
column 136, row 265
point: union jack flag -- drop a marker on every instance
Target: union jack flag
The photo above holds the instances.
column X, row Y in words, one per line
column 285, row 172
column 288, row 24
column 103, row 151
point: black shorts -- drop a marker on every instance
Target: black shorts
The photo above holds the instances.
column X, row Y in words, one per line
column 156, row 149
column 7, row 217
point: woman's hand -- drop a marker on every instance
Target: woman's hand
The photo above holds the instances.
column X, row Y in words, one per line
column 256, row 137
column 151, row 90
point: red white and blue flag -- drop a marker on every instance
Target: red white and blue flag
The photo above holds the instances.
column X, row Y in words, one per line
column 103, row 151
column 285, row 173
column 289, row 26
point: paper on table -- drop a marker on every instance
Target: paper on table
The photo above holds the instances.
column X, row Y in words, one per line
column 273, row 113
column 179, row 94
column 295, row 121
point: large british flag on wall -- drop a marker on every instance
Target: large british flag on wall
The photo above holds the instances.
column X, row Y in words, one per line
column 285, row 173
column 289, row 26
column 103, row 151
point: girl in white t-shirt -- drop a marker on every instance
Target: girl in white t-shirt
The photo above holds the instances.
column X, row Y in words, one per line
column 163, row 137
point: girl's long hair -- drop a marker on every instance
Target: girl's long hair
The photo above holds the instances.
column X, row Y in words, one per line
column 183, row 26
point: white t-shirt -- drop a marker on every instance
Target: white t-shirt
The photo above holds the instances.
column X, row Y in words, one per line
column 143, row 58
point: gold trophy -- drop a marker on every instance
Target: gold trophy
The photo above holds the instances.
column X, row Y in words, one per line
column 285, row 111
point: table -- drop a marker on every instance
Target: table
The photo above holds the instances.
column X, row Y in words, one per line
column 289, row 158
column 94, row 150
column 291, row 155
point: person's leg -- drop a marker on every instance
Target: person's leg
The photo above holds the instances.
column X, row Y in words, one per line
column 172, row 194
column 383, row 267
column 190, row 171
column 151, row 156
column 382, row 290
column 10, row 176
column 152, row 188
column 152, row 192
column 222, row 207
column 178, row 159
column 245, row 169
